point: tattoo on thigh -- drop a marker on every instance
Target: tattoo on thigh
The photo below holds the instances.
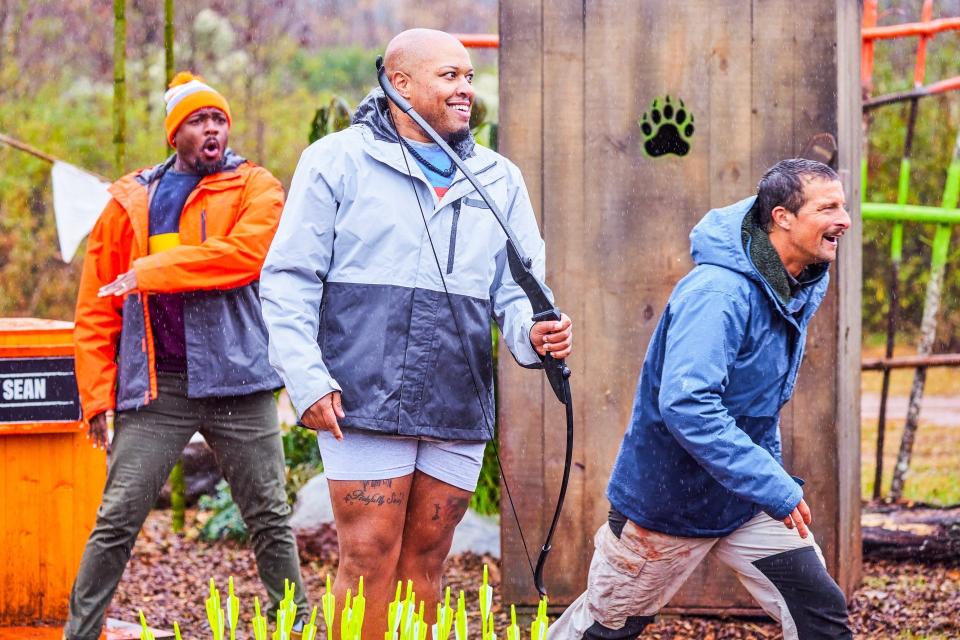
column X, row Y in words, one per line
column 436, row 512
column 368, row 484
column 454, row 509
column 372, row 498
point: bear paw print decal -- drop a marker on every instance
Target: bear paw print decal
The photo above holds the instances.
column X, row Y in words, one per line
column 666, row 128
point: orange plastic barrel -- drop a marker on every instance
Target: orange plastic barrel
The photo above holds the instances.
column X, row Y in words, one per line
column 52, row 477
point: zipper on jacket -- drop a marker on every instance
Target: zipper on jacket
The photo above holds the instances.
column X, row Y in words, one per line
column 453, row 236
column 203, row 225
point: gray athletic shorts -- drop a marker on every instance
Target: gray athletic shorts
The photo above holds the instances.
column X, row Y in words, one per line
column 367, row 455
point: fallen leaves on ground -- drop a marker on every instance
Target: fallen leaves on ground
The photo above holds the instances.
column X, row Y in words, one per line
column 168, row 578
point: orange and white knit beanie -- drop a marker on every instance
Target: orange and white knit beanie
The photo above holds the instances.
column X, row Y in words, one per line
column 186, row 94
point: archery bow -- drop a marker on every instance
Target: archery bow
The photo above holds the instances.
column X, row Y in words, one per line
column 520, row 268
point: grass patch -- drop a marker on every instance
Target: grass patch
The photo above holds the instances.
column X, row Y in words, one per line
column 486, row 498
column 934, row 475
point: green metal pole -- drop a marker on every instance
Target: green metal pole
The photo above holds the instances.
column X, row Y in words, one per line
column 928, row 325
column 863, row 177
column 952, row 191
column 888, row 212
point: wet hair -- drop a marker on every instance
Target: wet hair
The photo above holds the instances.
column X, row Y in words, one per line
column 782, row 186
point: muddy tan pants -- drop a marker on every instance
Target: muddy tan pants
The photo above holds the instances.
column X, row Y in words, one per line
column 632, row 577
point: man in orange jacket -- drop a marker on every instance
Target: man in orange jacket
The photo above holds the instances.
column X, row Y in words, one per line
column 170, row 337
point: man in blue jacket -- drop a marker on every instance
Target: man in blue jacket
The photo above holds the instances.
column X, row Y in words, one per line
column 700, row 470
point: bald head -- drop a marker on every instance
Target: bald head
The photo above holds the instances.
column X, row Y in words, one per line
column 411, row 49
column 432, row 70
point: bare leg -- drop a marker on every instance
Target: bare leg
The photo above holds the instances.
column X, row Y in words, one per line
column 433, row 512
column 370, row 516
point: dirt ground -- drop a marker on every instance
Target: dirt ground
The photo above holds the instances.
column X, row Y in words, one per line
column 168, row 578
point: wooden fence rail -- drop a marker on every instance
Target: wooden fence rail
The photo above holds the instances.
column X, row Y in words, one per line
column 911, row 362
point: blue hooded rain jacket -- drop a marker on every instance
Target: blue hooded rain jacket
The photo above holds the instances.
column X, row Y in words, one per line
column 701, row 454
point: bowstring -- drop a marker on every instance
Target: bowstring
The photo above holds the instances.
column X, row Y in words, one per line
column 463, row 349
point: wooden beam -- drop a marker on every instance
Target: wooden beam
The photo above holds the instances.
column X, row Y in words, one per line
column 23, row 146
column 521, row 393
column 911, row 362
column 26, row 148
column 848, row 284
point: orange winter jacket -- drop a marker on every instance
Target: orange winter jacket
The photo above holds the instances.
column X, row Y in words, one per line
column 226, row 228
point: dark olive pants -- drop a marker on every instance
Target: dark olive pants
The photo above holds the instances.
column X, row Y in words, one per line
column 244, row 433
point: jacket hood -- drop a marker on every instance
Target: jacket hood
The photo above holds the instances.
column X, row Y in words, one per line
column 374, row 114
column 728, row 238
column 716, row 239
column 231, row 160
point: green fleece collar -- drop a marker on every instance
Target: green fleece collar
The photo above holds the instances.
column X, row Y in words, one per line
column 767, row 261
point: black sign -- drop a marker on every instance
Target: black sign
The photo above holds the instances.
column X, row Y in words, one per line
column 38, row 390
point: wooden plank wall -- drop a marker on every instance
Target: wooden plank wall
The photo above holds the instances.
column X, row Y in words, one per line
column 761, row 78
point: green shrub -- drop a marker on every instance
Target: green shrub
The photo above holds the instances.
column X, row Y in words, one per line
column 302, row 461
column 486, row 498
column 302, row 457
column 226, row 523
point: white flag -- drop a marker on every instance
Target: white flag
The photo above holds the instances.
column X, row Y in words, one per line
column 78, row 200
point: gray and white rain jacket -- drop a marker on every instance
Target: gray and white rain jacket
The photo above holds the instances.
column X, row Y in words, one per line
column 353, row 298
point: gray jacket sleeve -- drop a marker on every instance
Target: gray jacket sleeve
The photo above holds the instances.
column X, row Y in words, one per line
column 511, row 307
column 292, row 280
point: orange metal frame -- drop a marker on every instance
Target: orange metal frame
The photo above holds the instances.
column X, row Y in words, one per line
column 479, row 40
column 926, row 29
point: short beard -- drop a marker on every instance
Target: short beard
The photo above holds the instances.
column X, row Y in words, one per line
column 209, row 168
column 458, row 137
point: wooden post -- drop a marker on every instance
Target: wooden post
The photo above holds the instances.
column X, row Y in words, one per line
column 119, row 85
column 168, row 57
column 760, row 79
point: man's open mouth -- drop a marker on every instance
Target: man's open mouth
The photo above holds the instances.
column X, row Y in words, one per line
column 461, row 107
column 834, row 240
column 211, row 149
